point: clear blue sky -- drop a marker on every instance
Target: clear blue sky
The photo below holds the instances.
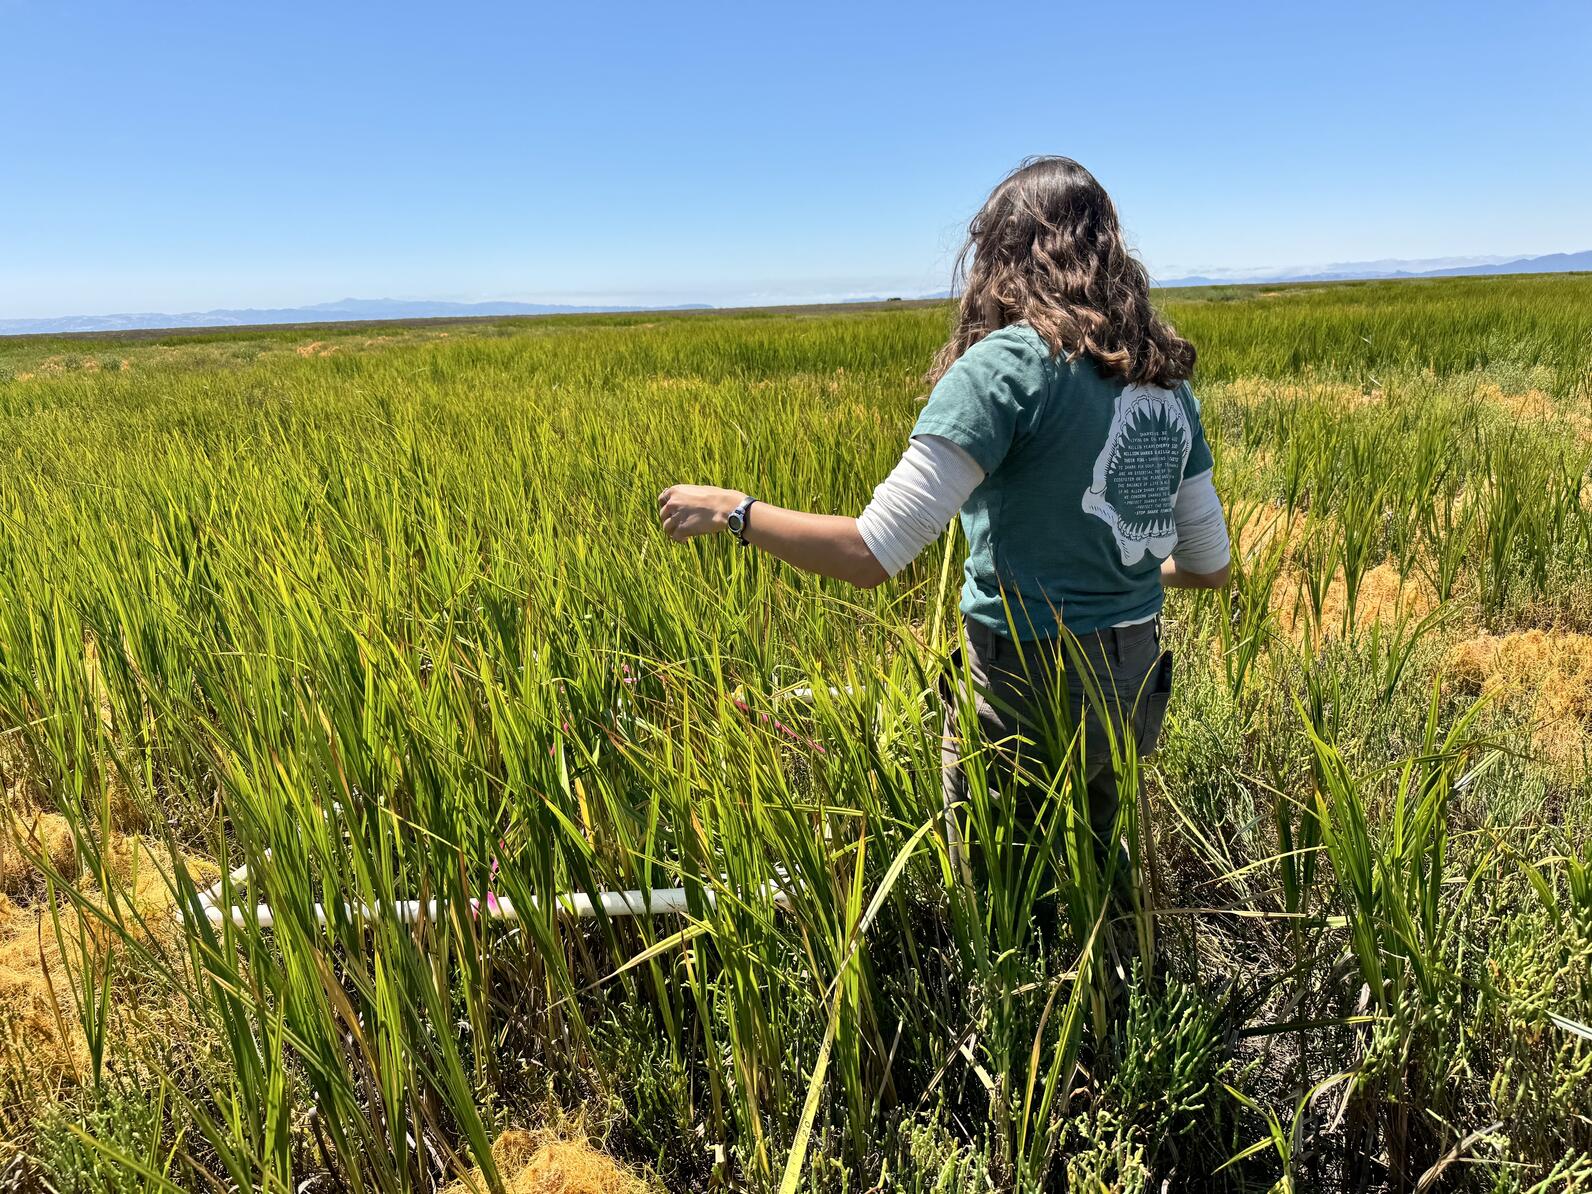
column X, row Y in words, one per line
column 169, row 156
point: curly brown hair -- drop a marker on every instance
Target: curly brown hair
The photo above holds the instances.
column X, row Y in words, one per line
column 1047, row 248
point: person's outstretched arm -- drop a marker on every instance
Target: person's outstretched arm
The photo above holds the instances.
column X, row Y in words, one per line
column 827, row 544
column 909, row 510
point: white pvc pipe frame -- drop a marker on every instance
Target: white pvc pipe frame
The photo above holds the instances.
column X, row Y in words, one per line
column 659, row 901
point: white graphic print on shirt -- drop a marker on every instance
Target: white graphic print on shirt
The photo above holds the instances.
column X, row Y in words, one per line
column 1138, row 471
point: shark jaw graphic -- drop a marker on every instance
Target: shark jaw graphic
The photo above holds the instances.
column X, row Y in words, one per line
column 1138, row 471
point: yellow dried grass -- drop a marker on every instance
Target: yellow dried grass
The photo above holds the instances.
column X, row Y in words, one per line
column 1544, row 674
column 544, row 1163
column 1385, row 596
column 39, row 1028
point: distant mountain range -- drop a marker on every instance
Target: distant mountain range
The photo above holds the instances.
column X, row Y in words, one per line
column 336, row 312
column 1449, row 267
column 344, row 310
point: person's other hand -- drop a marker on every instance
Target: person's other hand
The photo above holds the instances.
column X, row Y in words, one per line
column 687, row 511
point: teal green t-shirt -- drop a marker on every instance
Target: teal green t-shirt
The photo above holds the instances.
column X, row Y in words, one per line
column 1075, row 512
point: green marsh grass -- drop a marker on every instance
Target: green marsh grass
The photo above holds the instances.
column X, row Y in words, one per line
column 390, row 620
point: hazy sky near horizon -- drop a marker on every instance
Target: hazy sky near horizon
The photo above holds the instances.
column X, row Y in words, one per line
column 179, row 156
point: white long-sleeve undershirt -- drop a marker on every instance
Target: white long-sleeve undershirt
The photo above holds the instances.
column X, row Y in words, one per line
column 912, row 506
column 934, row 477
column 1202, row 544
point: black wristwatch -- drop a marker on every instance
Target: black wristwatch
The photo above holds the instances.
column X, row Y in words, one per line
column 736, row 523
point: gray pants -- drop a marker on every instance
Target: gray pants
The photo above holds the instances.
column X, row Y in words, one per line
column 1029, row 698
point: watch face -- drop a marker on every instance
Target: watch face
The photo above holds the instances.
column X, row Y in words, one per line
column 736, row 521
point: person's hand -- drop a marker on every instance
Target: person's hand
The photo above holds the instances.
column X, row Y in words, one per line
column 687, row 511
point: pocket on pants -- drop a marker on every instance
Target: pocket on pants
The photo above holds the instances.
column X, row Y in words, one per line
column 1153, row 702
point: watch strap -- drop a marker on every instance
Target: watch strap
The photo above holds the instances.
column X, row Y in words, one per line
column 738, row 520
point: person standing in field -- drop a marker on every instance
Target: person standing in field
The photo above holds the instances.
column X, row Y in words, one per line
column 1061, row 425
